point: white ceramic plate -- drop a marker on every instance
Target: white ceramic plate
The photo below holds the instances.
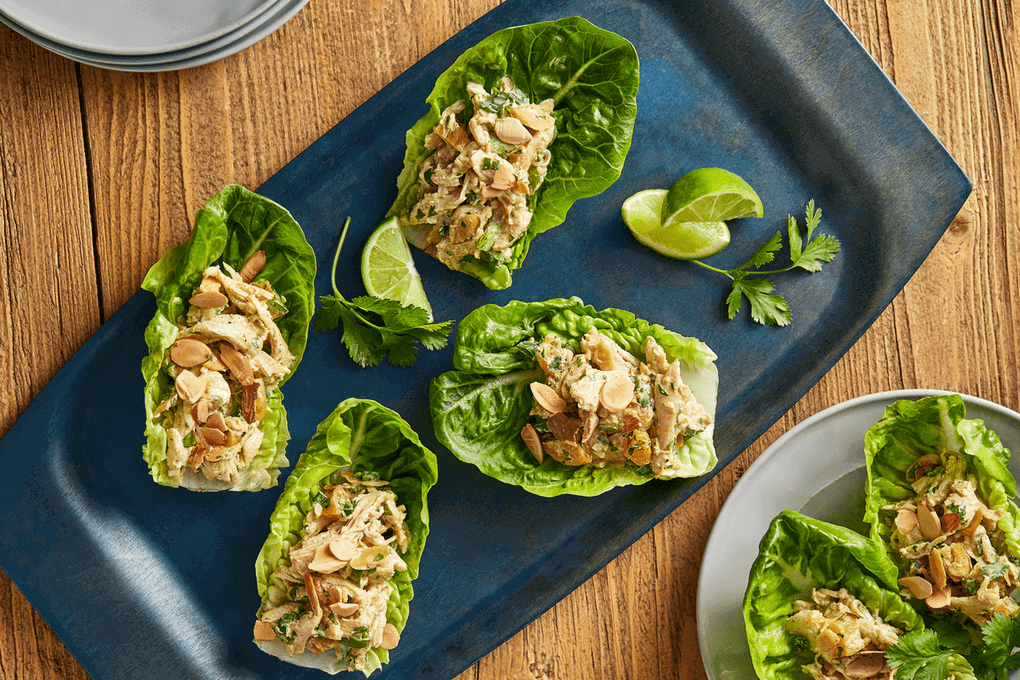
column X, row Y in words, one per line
column 132, row 26
column 816, row 468
column 217, row 49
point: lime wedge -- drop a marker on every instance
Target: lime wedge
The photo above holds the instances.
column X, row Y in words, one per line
column 387, row 268
column 681, row 240
column 709, row 195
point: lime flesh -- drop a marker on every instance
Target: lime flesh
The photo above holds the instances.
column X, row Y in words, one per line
column 387, row 268
column 680, row 240
column 709, row 195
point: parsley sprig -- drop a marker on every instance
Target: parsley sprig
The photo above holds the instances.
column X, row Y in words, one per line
column 767, row 306
column 373, row 326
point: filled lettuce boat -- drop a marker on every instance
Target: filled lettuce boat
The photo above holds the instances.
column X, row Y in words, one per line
column 559, row 398
column 822, row 603
column 939, row 497
column 346, row 538
column 233, row 304
column 521, row 126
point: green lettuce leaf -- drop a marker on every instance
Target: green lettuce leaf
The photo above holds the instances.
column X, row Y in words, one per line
column 479, row 408
column 234, row 224
column 911, row 429
column 799, row 553
column 591, row 74
column 362, row 436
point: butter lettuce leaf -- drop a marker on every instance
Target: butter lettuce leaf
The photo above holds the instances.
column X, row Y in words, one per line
column 799, row 553
column 365, row 437
column 234, row 224
column 479, row 408
column 590, row 73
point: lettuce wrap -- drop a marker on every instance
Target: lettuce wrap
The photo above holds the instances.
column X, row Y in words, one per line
column 799, row 554
column 366, row 440
column 939, row 498
column 590, row 77
column 480, row 408
column 235, row 225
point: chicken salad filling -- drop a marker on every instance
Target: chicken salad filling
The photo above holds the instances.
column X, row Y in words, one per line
column 476, row 189
column 848, row 640
column 228, row 358
column 604, row 406
column 337, row 577
column 958, row 562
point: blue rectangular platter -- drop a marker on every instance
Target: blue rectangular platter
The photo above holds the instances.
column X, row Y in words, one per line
column 143, row 581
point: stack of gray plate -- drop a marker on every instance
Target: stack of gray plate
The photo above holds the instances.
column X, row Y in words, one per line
column 146, row 35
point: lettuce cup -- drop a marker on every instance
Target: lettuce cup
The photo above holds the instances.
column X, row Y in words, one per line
column 233, row 305
column 939, row 498
column 521, row 126
column 346, row 538
column 559, row 398
column 822, row 603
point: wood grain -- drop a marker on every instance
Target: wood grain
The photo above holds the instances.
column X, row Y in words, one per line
column 101, row 171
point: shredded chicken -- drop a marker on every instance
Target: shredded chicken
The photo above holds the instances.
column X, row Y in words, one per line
column 848, row 639
column 949, row 538
column 475, row 189
column 337, row 577
column 213, row 417
column 604, row 406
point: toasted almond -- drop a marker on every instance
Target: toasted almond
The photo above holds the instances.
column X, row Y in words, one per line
column 511, row 131
column 591, row 423
column 533, row 120
column 216, row 420
column 324, row 561
column 202, row 410
column 254, row 265
column 368, row 557
column 214, row 364
column 959, row 565
column 313, row 594
column 548, row 398
column 564, row 428
column 345, row 551
column 828, row 640
column 390, row 636
column 928, row 520
column 253, row 403
column 209, row 300
column 936, row 569
column 530, row 436
column 950, row 522
column 213, row 436
column 343, row 609
column 336, row 594
column 865, row 666
column 239, row 365
column 190, row 387
column 975, row 522
column 940, row 598
column 491, row 192
column 906, row 521
column 503, row 178
column 918, row 586
column 264, row 631
column 188, row 352
column 617, row 393
column 921, row 466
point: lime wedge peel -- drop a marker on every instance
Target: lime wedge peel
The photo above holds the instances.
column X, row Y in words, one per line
column 387, row 267
column 681, row 240
column 709, row 195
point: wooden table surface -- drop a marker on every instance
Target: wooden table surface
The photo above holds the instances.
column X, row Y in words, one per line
column 101, row 171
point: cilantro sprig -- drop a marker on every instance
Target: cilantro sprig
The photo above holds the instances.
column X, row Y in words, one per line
column 921, row 655
column 998, row 652
column 749, row 280
column 373, row 326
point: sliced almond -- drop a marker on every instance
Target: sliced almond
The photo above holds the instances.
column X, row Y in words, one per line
column 959, row 565
column 343, row 609
column 202, row 410
column 564, row 428
column 324, row 561
column 390, row 636
column 530, row 436
column 214, row 364
column 906, row 521
column 828, row 640
column 188, row 353
column 213, row 436
column 209, row 300
column 345, row 551
column 591, row 423
column 216, row 420
column 313, row 594
column 936, row 569
column 239, row 365
column 921, row 466
column 254, row 265
column 533, row 119
column 865, row 666
column 928, row 520
column 617, row 393
column 491, row 192
column 511, row 131
column 253, row 403
column 950, row 522
column 940, row 599
column 503, row 178
column 264, row 631
column 368, row 558
column 918, row 586
column 190, row 387
column 548, row 398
